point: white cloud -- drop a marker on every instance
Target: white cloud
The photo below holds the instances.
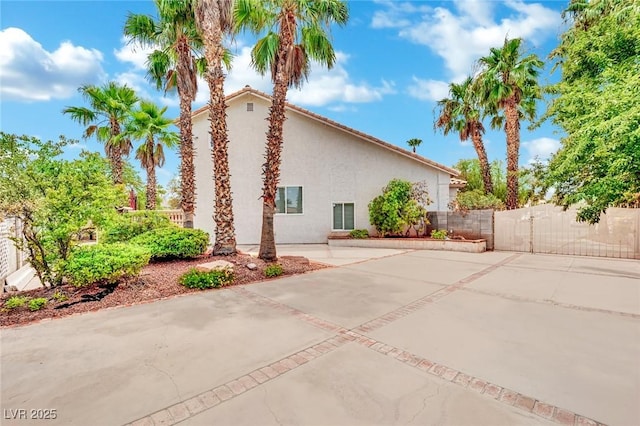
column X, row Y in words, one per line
column 462, row 33
column 395, row 14
column 541, row 148
column 133, row 53
column 428, row 90
column 31, row 73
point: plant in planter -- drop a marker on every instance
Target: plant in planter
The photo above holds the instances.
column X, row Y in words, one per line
column 439, row 234
column 359, row 234
column 401, row 205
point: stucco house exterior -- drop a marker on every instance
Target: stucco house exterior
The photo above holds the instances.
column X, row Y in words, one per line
column 329, row 172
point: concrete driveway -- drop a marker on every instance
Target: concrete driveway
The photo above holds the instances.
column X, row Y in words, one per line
column 422, row 337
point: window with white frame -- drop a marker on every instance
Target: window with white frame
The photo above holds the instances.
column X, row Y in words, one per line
column 289, row 200
column 344, row 216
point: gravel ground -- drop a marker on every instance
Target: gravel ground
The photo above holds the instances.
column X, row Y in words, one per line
column 156, row 281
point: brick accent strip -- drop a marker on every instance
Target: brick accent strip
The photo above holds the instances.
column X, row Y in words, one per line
column 232, row 389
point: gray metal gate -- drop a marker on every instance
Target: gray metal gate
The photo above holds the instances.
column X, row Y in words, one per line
column 549, row 229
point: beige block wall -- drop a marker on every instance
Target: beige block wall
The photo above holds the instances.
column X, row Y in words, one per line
column 331, row 166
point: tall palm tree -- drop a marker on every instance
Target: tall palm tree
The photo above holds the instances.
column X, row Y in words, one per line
column 461, row 113
column 148, row 123
column 508, row 81
column 175, row 63
column 295, row 32
column 214, row 21
column 414, row 143
column 109, row 106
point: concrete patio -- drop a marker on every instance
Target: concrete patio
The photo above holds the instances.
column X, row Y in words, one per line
column 416, row 337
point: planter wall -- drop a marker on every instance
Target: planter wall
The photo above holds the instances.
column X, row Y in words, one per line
column 468, row 246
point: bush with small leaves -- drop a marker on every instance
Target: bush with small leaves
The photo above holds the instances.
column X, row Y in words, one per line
column 209, row 279
column 173, row 243
column 104, row 263
column 273, row 270
column 37, row 304
column 359, row 233
column 16, row 302
column 126, row 226
column 59, row 296
column 439, row 234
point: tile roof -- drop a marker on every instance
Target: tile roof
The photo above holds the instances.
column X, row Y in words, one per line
column 335, row 124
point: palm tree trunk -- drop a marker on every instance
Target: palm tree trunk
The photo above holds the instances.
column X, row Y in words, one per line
column 186, row 94
column 485, row 169
column 271, row 167
column 512, row 129
column 115, row 154
column 208, row 19
column 151, row 179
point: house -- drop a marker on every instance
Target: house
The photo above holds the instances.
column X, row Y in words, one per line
column 329, row 172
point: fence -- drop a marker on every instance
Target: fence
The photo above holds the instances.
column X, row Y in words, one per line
column 472, row 225
column 175, row 216
column 549, row 229
column 11, row 259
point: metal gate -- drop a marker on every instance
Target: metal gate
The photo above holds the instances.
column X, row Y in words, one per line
column 549, row 229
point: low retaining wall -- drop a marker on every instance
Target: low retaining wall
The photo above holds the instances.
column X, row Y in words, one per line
column 468, row 246
column 474, row 224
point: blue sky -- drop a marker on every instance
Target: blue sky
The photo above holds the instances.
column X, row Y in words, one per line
column 395, row 60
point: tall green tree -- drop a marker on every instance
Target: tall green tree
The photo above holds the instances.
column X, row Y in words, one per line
column 508, row 81
column 55, row 199
column 214, row 20
column 109, row 106
column 148, row 124
column 461, row 113
column 414, row 143
column 597, row 104
column 294, row 32
column 175, row 63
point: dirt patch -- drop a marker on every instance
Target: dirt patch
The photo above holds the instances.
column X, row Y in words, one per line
column 156, row 281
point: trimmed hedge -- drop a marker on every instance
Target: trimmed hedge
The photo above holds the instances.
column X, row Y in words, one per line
column 129, row 225
column 104, row 263
column 173, row 242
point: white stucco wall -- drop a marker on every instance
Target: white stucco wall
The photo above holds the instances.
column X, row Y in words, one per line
column 330, row 164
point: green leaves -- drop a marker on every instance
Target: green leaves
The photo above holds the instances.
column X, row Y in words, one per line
column 401, row 204
column 597, row 105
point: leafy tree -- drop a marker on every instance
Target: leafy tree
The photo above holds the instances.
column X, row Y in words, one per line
column 175, row 63
column 508, row 81
column 173, row 192
column 596, row 104
column 414, row 143
column 109, row 106
column 295, row 32
column 475, row 199
column 400, row 206
column 148, row 123
column 214, row 21
column 55, row 199
column 461, row 112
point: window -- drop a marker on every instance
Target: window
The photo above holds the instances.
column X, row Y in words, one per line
column 344, row 216
column 289, row 200
column 249, row 106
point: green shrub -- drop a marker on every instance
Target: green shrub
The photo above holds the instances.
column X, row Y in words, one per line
column 439, row 234
column 173, row 242
column 476, row 200
column 203, row 280
column 104, row 263
column 401, row 205
column 16, row 302
column 37, row 304
column 273, row 270
column 359, row 233
column 59, row 296
column 125, row 226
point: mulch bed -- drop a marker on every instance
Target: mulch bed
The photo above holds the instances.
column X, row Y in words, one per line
column 156, row 281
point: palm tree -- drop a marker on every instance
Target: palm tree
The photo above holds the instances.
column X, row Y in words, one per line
column 461, row 113
column 175, row 63
column 149, row 124
column 414, row 143
column 508, row 81
column 214, row 21
column 296, row 33
column 109, row 106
